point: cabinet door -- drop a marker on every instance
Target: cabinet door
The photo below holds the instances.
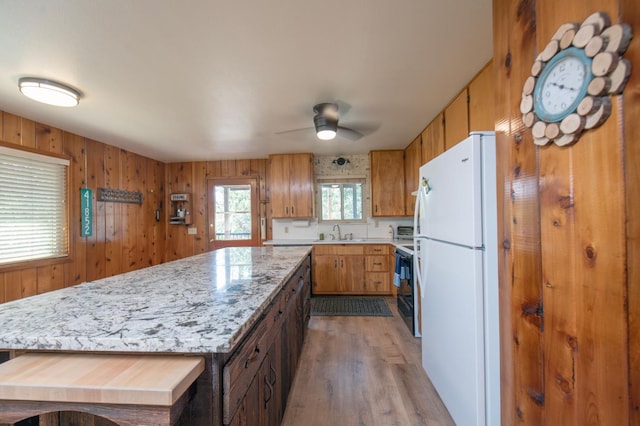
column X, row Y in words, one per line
column 249, row 411
column 279, row 185
column 352, row 274
column 412, row 163
column 433, row 139
column 456, row 120
column 326, row 274
column 482, row 101
column 377, row 283
column 387, row 183
column 377, row 263
column 301, row 189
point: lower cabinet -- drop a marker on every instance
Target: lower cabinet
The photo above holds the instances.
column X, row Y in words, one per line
column 378, row 276
column 258, row 377
column 355, row 269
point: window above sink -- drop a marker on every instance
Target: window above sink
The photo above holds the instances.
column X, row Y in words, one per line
column 340, row 200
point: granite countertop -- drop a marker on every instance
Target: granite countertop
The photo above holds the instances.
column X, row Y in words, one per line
column 202, row 304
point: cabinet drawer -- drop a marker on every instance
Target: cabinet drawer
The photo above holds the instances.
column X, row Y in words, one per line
column 378, row 283
column 377, row 263
column 238, row 373
column 327, row 249
column 376, row 249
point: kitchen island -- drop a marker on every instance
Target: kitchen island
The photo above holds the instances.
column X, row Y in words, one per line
column 244, row 309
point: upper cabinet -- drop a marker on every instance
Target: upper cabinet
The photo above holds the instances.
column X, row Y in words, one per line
column 433, row 139
column 456, row 116
column 482, row 101
column 387, row 183
column 291, row 185
column 412, row 163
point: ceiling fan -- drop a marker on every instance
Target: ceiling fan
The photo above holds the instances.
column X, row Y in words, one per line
column 326, row 125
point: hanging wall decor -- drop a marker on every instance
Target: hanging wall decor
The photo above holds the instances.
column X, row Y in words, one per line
column 573, row 78
column 119, row 196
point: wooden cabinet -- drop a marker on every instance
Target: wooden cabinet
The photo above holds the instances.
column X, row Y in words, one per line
column 482, row 100
column 351, row 269
column 412, row 163
column 258, row 377
column 433, row 139
column 291, row 185
column 378, row 278
column 387, row 183
column 456, row 118
column 338, row 269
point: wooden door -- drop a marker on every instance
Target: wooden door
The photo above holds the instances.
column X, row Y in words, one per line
column 279, row 185
column 377, row 283
column 326, row 274
column 456, row 117
column 482, row 101
column 352, row 274
column 387, row 183
column 234, row 216
column 433, row 139
column 301, row 185
column 412, row 163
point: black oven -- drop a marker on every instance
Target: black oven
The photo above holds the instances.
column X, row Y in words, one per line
column 404, row 280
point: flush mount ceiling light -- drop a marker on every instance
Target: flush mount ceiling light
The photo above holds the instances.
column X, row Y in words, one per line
column 326, row 120
column 48, row 92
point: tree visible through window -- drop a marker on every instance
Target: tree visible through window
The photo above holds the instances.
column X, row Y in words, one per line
column 341, row 200
column 233, row 212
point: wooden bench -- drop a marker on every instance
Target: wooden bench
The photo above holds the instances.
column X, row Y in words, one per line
column 126, row 389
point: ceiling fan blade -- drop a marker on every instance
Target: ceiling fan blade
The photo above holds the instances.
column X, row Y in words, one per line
column 303, row 129
column 348, row 133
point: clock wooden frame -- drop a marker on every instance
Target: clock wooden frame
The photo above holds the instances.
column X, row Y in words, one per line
column 604, row 45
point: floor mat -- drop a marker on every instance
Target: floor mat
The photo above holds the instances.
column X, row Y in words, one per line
column 349, row 306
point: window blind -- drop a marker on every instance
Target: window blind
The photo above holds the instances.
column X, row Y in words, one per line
column 33, row 211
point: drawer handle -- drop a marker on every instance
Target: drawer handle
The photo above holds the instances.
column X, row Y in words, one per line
column 252, row 357
column 377, row 264
column 270, row 388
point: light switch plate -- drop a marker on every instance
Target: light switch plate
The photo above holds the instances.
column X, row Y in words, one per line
column 192, row 231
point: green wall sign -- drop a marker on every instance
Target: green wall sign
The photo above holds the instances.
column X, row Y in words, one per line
column 86, row 212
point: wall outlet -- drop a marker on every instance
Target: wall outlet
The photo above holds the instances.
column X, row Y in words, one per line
column 192, row 230
column 286, row 229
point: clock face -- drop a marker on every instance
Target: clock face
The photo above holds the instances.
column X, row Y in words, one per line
column 562, row 84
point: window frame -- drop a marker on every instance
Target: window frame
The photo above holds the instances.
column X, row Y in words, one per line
column 340, row 180
column 52, row 260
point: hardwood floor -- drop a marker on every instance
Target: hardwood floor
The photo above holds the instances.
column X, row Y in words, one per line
column 362, row 371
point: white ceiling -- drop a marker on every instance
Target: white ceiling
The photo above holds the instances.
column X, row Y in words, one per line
column 212, row 79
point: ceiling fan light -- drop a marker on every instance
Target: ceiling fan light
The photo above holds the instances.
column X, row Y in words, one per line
column 326, row 135
column 326, row 127
column 48, row 92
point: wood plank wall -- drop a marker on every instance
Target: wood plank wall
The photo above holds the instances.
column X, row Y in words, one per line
column 125, row 236
column 192, row 177
column 570, row 232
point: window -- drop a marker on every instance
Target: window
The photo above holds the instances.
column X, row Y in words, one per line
column 340, row 200
column 233, row 212
column 33, row 209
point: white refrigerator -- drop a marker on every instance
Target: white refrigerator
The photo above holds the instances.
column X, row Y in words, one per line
column 456, row 266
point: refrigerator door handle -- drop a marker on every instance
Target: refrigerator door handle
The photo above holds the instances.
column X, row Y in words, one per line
column 419, row 241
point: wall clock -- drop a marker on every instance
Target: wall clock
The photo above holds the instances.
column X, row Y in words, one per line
column 573, row 78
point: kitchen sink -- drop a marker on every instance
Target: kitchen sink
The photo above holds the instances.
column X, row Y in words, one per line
column 355, row 240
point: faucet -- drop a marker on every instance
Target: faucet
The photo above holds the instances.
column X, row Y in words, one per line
column 334, row 228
